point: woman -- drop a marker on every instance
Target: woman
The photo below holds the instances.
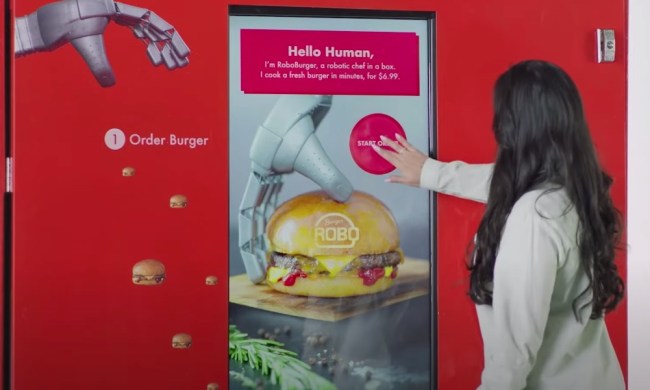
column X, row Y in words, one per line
column 542, row 267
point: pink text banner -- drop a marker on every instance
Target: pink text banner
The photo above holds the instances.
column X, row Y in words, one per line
column 329, row 62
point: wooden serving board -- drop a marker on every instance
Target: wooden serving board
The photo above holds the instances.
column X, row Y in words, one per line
column 411, row 282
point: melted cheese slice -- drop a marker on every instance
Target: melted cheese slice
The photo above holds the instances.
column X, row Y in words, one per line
column 276, row 273
column 334, row 264
column 388, row 271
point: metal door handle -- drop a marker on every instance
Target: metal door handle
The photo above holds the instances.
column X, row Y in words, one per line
column 605, row 45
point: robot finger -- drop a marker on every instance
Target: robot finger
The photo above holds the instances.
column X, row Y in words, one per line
column 159, row 23
column 154, row 54
column 183, row 62
column 180, row 62
column 129, row 15
column 166, row 53
column 138, row 32
column 179, row 45
column 147, row 33
column 155, row 35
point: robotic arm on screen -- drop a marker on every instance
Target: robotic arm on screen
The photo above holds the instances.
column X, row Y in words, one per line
column 284, row 143
column 82, row 23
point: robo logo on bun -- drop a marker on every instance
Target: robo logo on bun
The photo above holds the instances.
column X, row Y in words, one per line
column 335, row 230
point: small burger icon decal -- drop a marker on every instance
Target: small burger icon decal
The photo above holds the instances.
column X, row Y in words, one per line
column 128, row 171
column 178, row 201
column 148, row 272
column 213, row 386
column 211, row 280
column 181, row 341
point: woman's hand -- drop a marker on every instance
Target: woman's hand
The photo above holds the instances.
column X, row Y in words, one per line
column 405, row 157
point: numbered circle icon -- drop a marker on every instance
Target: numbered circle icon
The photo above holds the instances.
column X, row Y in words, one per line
column 114, row 139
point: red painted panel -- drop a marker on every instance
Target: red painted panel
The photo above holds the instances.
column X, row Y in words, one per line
column 477, row 41
column 79, row 322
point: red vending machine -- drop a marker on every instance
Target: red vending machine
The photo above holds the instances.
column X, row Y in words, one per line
column 195, row 201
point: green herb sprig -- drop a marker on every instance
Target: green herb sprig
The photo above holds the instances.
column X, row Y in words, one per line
column 280, row 364
column 245, row 381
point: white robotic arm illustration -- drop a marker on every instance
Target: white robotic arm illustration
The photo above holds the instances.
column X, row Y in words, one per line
column 284, row 143
column 82, row 23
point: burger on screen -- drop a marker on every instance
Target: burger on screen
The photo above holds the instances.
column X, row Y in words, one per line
column 323, row 248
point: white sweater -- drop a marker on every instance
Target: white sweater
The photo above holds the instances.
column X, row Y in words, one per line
column 531, row 338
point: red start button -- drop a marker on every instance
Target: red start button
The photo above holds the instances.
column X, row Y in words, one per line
column 366, row 133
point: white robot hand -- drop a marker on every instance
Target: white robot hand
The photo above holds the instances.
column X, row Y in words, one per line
column 82, row 23
column 284, row 143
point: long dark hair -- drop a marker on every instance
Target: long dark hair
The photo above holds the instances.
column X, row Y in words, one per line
column 543, row 137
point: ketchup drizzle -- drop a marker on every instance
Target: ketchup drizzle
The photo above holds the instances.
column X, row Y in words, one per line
column 370, row 276
column 290, row 278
